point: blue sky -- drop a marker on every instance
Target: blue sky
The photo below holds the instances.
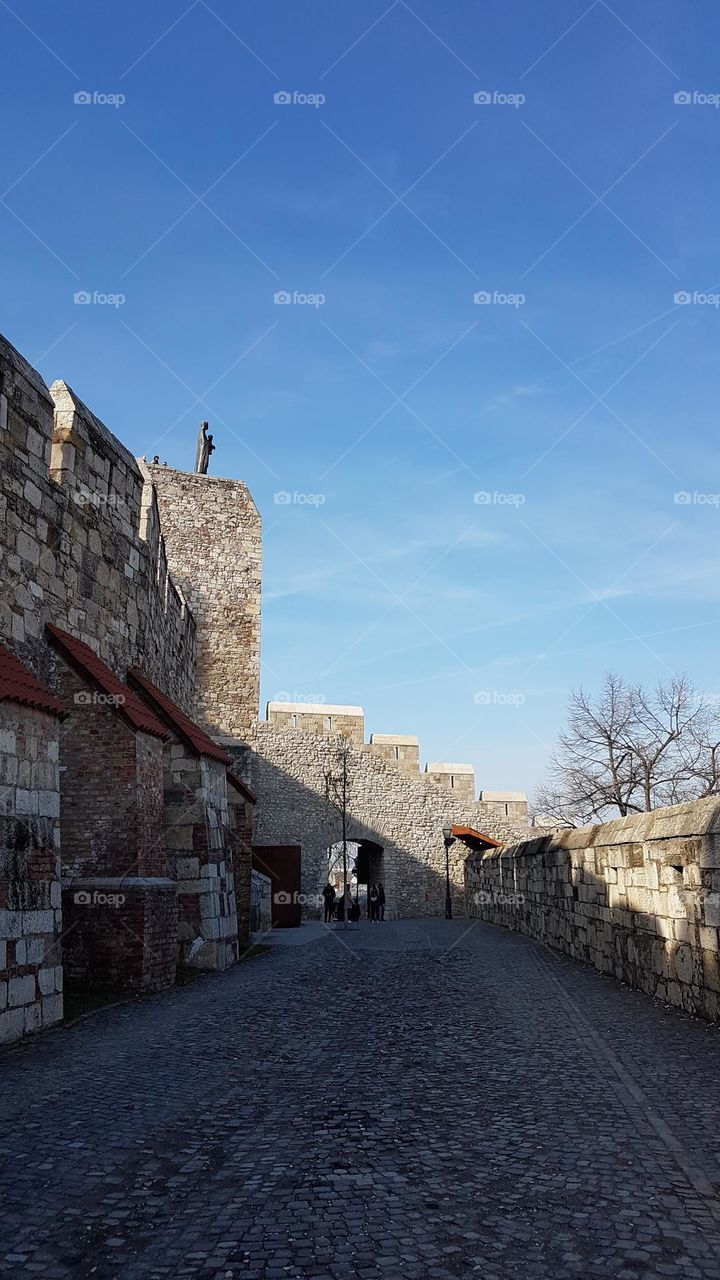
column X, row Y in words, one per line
column 579, row 412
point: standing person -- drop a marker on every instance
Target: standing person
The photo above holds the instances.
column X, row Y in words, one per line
column 340, row 908
column 381, row 902
column 373, row 902
column 328, row 894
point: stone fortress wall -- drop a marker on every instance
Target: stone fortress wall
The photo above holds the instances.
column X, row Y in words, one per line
column 82, row 550
column 80, row 539
column 391, row 803
column 638, row 898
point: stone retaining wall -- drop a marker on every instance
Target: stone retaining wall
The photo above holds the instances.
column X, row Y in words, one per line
column 638, row 898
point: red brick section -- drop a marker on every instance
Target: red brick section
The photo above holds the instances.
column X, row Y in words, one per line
column 111, row 812
column 18, row 684
column 120, row 935
column 128, row 705
column 195, row 739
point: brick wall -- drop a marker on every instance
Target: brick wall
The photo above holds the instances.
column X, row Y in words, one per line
column 638, row 898
column 30, row 905
column 241, row 819
column 112, row 788
column 120, row 933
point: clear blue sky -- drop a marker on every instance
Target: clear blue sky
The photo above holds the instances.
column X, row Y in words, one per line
column 397, row 199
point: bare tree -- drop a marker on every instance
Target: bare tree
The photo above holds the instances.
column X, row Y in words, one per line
column 631, row 750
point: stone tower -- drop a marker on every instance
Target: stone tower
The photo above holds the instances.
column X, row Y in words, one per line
column 212, row 534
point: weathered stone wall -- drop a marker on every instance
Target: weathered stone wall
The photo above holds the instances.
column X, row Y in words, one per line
column 638, row 898
column 30, row 903
column 459, row 778
column 213, row 540
column 241, row 818
column 402, row 749
column 80, row 541
column 404, row 814
column 318, row 717
column 200, row 858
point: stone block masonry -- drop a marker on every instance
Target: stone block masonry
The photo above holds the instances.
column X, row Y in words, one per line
column 402, row 813
column 638, row 898
column 212, row 535
column 31, row 978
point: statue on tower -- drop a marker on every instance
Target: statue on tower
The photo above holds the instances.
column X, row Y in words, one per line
column 203, row 450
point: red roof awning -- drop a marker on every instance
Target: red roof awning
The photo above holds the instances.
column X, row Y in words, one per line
column 18, row 684
column 124, row 701
column 194, row 738
column 471, row 836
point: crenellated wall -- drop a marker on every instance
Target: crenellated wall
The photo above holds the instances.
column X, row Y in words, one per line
column 638, row 898
column 402, row 812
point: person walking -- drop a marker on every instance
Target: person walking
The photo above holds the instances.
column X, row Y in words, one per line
column 373, row 902
column 328, row 894
column 381, row 902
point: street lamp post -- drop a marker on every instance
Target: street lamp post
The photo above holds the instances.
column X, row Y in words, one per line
column 448, row 838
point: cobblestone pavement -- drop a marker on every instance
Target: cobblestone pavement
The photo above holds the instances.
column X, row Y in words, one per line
column 415, row 1099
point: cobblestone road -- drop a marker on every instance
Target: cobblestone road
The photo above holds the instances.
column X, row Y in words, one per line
column 435, row 1102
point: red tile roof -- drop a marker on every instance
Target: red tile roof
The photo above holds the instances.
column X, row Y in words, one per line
column 195, row 738
column 241, row 786
column 127, row 704
column 18, row 684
